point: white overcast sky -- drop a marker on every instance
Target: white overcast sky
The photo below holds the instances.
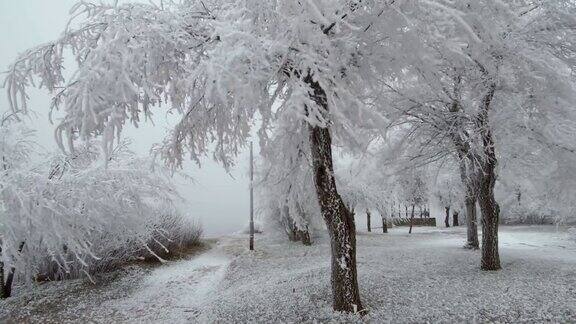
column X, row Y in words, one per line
column 217, row 199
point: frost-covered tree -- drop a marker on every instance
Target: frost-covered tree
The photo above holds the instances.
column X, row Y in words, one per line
column 413, row 190
column 218, row 64
column 476, row 71
column 449, row 76
column 357, row 193
column 16, row 144
column 448, row 194
column 366, row 185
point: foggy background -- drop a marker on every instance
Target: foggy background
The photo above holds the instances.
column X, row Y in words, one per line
column 218, row 199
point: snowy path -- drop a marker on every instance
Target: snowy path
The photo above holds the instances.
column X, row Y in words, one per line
column 175, row 292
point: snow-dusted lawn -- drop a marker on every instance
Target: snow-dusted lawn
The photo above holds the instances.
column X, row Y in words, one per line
column 425, row 276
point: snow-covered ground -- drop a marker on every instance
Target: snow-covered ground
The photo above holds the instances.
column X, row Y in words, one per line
column 423, row 277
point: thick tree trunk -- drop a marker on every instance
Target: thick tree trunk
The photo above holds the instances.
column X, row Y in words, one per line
column 489, row 208
column 490, row 216
column 339, row 220
column 455, row 219
column 487, row 179
column 368, row 220
column 340, row 224
column 384, row 225
column 411, row 220
column 447, row 218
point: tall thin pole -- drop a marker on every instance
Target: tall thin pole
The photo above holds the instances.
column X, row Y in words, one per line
column 251, row 199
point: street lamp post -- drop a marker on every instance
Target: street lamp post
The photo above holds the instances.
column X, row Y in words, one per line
column 251, row 199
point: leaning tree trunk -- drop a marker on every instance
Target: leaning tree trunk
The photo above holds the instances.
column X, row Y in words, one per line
column 368, row 220
column 340, row 224
column 339, row 220
column 447, row 219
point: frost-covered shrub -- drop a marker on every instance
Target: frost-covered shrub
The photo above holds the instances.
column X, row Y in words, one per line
column 172, row 233
column 79, row 214
column 524, row 216
column 525, row 207
column 165, row 234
